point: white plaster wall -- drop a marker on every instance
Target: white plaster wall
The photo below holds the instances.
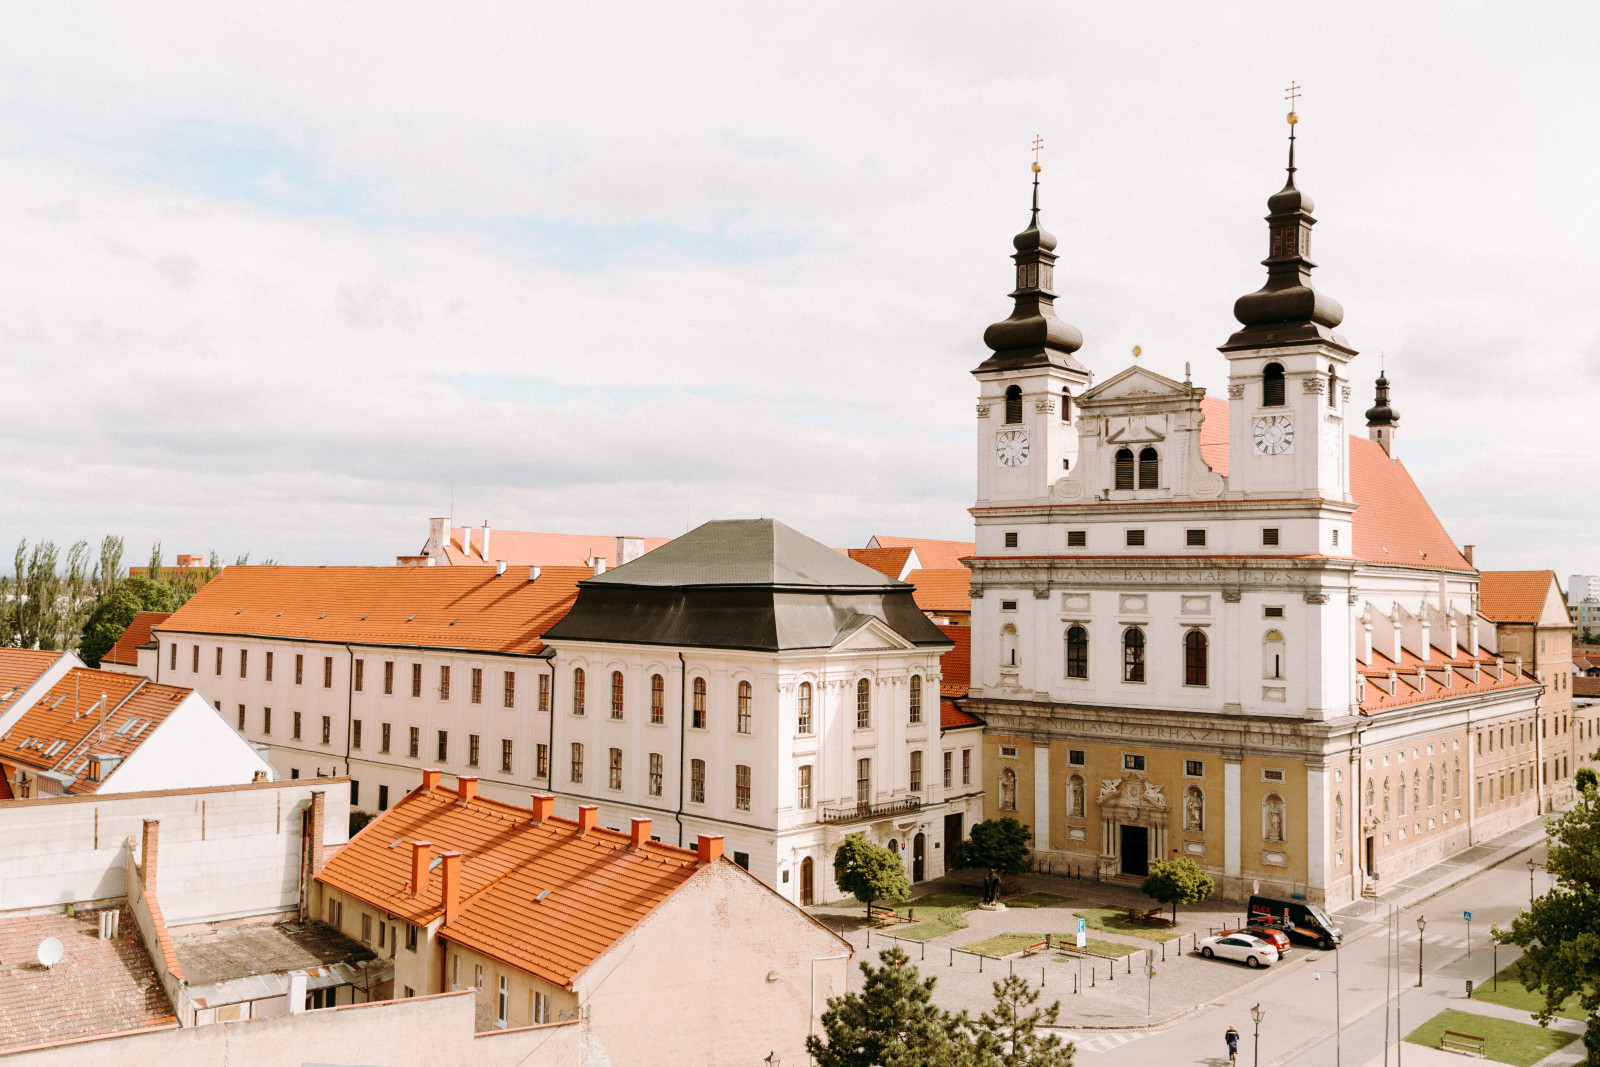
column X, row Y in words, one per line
column 192, row 748
column 18, row 705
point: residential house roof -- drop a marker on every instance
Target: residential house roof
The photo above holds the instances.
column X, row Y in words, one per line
column 20, row 668
column 469, row 608
column 748, row 552
column 889, row 561
column 523, row 548
column 126, row 650
column 935, row 555
column 535, row 895
column 1450, row 674
column 942, row 591
column 1527, row 597
column 955, row 665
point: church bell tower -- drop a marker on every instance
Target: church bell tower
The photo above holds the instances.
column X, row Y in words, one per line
column 1027, row 388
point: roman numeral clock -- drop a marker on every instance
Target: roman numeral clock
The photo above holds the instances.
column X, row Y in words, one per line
column 1011, row 448
column 1274, row 435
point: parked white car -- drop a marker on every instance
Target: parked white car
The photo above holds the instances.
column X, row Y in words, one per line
column 1252, row 950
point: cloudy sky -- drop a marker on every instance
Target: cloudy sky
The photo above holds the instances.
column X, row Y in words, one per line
column 288, row 279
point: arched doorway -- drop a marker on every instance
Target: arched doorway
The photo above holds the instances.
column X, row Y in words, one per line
column 807, row 884
column 919, row 845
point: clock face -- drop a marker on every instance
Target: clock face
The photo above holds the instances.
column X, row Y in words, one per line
column 1274, row 435
column 1011, row 448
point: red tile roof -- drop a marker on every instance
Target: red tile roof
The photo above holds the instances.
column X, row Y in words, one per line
column 938, row 591
column 955, row 666
column 934, row 555
column 433, row 607
column 20, row 668
column 887, row 561
column 1514, row 596
column 64, row 728
column 599, row 885
column 1585, row 687
column 952, row 717
column 138, row 633
column 1409, row 687
column 523, row 548
column 1214, row 433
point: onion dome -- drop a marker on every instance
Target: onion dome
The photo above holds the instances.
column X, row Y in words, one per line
column 1033, row 335
column 1380, row 413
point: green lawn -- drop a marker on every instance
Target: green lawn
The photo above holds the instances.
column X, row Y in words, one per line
column 931, row 922
column 1115, row 921
column 1006, row 944
column 1511, row 994
column 1504, row 1041
column 1035, row 900
column 963, row 899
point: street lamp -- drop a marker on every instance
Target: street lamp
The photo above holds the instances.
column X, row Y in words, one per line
column 1532, row 865
column 1258, row 1013
column 1422, row 924
column 1338, row 1020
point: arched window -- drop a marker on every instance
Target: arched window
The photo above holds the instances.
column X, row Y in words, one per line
column 1123, row 464
column 1075, row 798
column 698, row 686
column 1272, row 655
column 1133, row 655
column 658, row 699
column 577, row 690
column 1430, row 785
column 1338, row 816
column 1272, row 386
column 1008, row 789
column 744, row 707
column 1077, row 652
column 616, row 694
column 1066, row 405
column 804, row 724
column 1014, row 403
column 1194, row 657
column 863, row 704
column 1273, row 816
column 915, row 715
column 1194, row 810
column 1008, row 645
column 1149, row 469
column 1333, row 383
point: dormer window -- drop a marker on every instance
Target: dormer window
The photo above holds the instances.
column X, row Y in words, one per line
column 1271, row 386
column 1014, row 404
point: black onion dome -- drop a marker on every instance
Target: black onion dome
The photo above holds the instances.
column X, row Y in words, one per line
column 1032, row 335
column 1380, row 413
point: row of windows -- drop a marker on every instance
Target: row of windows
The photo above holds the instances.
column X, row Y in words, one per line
column 744, row 719
column 1196, row 654
column 1135, row 538
column 474, row 752
column 1014, row 393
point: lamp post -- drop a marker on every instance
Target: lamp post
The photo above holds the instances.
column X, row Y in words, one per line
column 1338, row 1020
column 1422, row 924
column 1532, row 865
column 1258, row 1013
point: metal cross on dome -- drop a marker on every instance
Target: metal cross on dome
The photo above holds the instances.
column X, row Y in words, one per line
column 1292, row 94
column 1038, row 143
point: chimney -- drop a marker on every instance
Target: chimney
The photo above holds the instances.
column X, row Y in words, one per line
column 629, row 549
column 485, row 546
column 599, row 565
column 1466, row 550
column 544, row 806
column 709, row 847
column 466, row 541
column 450, row 882
column 148, row 853
column 420, row 853
column 533, row 574
column 316, row 832
column 641, row 832
column 259, row 776
column 467, row 787
column 430, row 779
column 499, row 567
column 588, row 814
column 438, row 536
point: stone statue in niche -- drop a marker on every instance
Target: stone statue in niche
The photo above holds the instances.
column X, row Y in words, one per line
column 1274, row 819
column 1008, row 790
column 1193, row 811
column 1075, row 797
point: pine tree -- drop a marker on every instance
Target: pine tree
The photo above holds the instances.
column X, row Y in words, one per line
column 1009, row 1036
column 892, row 1022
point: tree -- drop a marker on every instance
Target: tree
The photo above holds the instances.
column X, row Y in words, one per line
column 1000, row 846
column 892, row 1022
column 1560, row 931
column 869, row 872
column 115, row 611
column 1585, row 778
column 1179, row 881
column 1009, row 1037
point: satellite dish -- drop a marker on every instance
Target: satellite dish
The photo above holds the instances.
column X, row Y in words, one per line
column 50, row 952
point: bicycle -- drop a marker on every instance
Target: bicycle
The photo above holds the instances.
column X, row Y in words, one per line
column 1232, row 1038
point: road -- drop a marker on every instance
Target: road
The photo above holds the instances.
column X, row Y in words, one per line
column 1299, row 1025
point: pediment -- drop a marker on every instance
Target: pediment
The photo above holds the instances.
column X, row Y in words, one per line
column 868, row 633
column 1140, row 382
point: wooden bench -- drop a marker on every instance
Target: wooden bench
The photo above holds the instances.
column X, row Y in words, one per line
column 1037, row 946
column 1010, row 889
column 1153, row 917
column 1464, row 1044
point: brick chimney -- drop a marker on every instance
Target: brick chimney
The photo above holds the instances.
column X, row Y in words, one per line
column 1466, row 550
column 430, row 779
column 588, row 815
column 451, row 884
column 148, row 854
column 709, row 847
column 641, row 831
column 467, row 787
column 316, row 832
column 421, row 851
column 544, row 806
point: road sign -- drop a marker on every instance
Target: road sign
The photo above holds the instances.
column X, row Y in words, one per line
column 1467, row 915
column 1083, row 934
column 1255, row 886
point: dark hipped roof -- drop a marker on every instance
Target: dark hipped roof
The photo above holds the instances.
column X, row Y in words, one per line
column 747, row 584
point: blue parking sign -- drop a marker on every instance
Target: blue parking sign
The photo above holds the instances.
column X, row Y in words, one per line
column 1467, row 915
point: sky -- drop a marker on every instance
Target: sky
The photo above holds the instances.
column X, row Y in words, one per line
column 288, row 279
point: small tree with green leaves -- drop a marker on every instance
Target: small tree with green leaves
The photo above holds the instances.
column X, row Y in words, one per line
column 1179, row 881
column 999, row 846
column 1009, row 1036
column 892, row 1022
column 869, row 872
column 1585, row 778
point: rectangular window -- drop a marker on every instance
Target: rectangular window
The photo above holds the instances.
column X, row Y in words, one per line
column 1076, row 757
column 194, row 666
column 383, row 804
column 544, row 692
column 541, row 1009
column 299, row 668
column 444, row 745
column 1269, row 535
column 617, row 692
column 416, row 742
column 411, row 945
column 360, row 679
column 803, row 722
column 577, row 762
column 697, row 781
column 1194, row 768
column 863, row 705
column 172, row 660
column 477, row 685
column 416, row 679
column 509, row 697
column 1272, row 774
column 742, row 859
column 1272, row 612
column 743, row 708
column 385, row 733
column 804, row 798
column 1135, row 538
column 355, row 793
column 502, row 1002
column 949, row 772
column 327, row 672
column 655, row 774
column 268, row 671
column 1011, row 539
column 1008, row 751
column 472, row 750
column 355, row 733
column 241, row 718
column 219, row 662
column 366, row 929
column 1131, row 762
column 327, row 729
column 916, row 772
column 388, row 677
column 542, row 761
column 1194, row 538
column 1008, row 605
column 294, row 731
column 244, row 663
column 614, row 769
column 914, row 715
column 1077, row 538
column 699, row 689
column 966, row 766
column 444, row 683
column 294, row 772
column 863, row 781
column 741, row 787
column 266, row 721
column 505, row 755
column 658, row 699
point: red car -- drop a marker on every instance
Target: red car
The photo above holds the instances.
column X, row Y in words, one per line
column 1272, row 936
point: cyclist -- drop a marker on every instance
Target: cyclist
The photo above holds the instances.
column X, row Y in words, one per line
column 1232, row 1038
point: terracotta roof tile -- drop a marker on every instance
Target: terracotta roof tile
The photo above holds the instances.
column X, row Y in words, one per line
column 955, row 666
column 952, row 717
column 1513, row 596
column 523, row 548
column 413, row 607
column 1409, row 689
column 20, row 668
column 1214, row 433
column 949, row 590
column 888, row 561
column 599, row 885
column 125, row 651
column 934, row 555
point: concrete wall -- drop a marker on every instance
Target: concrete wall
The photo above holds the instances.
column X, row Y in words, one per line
column 424, row 1032
column 226, row 852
